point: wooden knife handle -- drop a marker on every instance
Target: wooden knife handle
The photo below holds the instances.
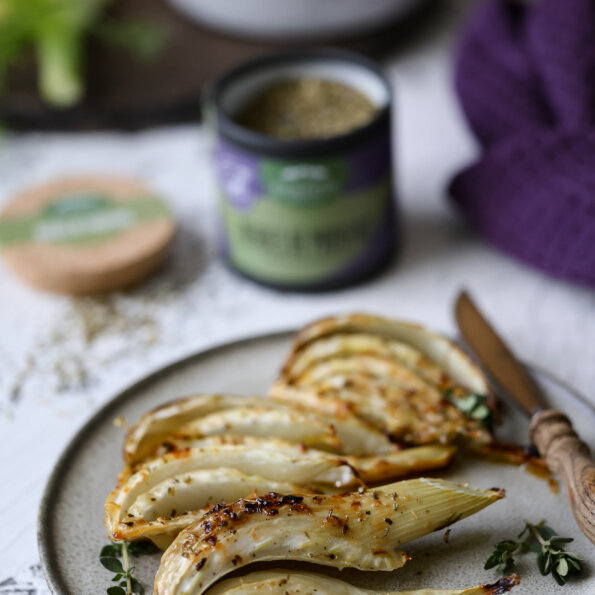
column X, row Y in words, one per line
column 567, row 456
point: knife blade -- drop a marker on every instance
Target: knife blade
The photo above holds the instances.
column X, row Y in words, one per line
column 496, row 357
column 550, row 431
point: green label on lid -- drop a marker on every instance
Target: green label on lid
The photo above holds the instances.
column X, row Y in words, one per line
column 80, row 219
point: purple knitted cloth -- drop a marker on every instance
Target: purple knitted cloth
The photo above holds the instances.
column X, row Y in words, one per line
column 526, row 79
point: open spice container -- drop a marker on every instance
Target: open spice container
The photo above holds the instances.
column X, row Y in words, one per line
column 303, row 161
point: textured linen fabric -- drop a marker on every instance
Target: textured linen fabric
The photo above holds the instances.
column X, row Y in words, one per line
column 525, row 74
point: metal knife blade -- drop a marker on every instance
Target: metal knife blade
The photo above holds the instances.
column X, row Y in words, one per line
column 496, row 357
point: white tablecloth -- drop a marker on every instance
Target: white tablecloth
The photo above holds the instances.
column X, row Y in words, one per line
column 52, row 377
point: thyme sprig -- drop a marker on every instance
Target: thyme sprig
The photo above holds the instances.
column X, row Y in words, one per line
column 110, row 558
column 542, row 540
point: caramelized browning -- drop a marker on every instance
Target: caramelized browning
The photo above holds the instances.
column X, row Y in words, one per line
column 503, row 585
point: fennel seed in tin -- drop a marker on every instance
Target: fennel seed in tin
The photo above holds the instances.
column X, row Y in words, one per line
column 306, row 108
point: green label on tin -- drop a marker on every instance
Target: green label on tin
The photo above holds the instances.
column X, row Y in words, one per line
column 301, row 183
column 305, row 240
column 81, row 218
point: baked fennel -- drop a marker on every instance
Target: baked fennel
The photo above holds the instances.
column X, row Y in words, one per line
column 295, row 582
column 170, row 492
column 359, row 530
column 188, row 481
column 389, row 373
column 196, row 417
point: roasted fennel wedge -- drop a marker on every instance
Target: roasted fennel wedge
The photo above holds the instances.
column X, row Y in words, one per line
column 369, row 469
column 153, row 428
column 455, row 367
column 265, row 422
column 206, row 415
column 345, row 435
column 346, row 343
column 360, row 530
column 162, row 512
column 403, row 463
column 173, row 480
column 391, row 374
column 374, row 365
column 409, row 417
column 296, row 582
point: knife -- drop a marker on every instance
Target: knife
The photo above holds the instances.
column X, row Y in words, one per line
column 550, row 431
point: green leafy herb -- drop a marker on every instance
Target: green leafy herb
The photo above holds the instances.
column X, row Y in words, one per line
column 542, row 540
column 503, row 556
column 474, row 406
column 110, row 558
column 57, row 31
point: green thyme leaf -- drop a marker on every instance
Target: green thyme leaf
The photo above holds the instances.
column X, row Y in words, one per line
column 114, row 550
column 545, row 532
column 556, row 540
column 474, row 406
column 503, row 556
column 112, row 564
column 562, row 567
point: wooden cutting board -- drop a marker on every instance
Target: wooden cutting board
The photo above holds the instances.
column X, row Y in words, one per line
column 127, row 93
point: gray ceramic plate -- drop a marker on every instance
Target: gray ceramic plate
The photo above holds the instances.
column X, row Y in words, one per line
column 71, row 531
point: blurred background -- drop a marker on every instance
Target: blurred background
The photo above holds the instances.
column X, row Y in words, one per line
column 113, row 88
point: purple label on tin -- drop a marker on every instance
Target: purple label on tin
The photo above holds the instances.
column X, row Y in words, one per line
column 239, row 176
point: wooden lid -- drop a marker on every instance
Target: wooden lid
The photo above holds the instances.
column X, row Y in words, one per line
column 84, row 236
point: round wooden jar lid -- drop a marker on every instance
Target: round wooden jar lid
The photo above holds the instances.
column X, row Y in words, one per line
column 84, row 236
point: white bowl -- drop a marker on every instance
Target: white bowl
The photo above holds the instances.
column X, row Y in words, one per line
column 294, row 19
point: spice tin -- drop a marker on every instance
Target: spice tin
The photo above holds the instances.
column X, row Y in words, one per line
column 310, row 214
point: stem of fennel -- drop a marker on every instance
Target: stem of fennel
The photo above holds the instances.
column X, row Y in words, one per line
column 59, row 53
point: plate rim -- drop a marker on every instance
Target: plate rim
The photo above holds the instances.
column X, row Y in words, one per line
column 45, row 522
